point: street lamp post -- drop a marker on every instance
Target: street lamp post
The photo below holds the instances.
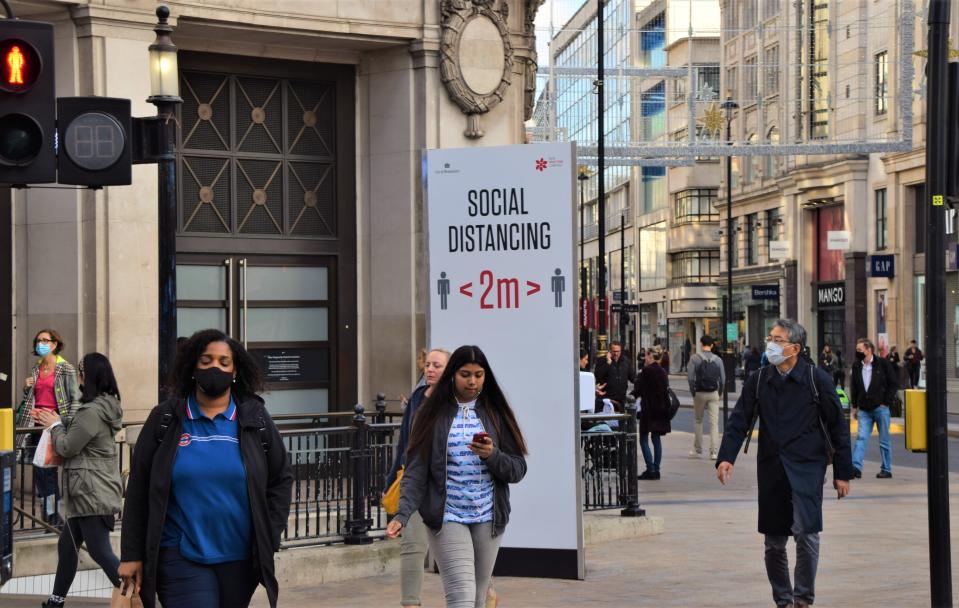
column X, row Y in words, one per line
column 729, row 105
column 165, row 95
column 622, row 279
column 601, row 335
column 582, row 176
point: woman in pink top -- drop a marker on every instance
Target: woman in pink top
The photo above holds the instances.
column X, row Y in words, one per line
column 52, row 385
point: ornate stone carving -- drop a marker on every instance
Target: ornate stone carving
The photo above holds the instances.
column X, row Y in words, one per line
column 458, row 16
column 529, row 80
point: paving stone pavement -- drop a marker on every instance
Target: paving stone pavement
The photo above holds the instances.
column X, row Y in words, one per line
column 874, row 549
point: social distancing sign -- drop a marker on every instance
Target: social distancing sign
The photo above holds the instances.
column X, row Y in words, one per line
column 500, row 224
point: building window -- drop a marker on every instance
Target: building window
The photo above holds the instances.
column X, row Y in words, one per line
column 819, row 60
column 750, row 81
column 652, row 257
column 772, row 137
column 695, row 205
column 882, row 82
column 749, row 13
column 770, row 8
column 730, row 21
column 749, row 162
column 771, row 68
column 752, row 239
column 882, row 220
column 707, row 77
column 695, row 267
column 654, row 188
column 773, row 228
column 734, row 260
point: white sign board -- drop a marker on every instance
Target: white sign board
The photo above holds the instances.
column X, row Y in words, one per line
column 501, row 268
column 837, row 240
column 779, row 250
column 587, row 392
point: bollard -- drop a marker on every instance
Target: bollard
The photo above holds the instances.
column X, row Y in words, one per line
column 632, row 475
column 916, row 432
column 380, row 408
column 357, row 527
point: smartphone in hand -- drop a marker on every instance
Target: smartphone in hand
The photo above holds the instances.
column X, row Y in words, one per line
column 480, row 438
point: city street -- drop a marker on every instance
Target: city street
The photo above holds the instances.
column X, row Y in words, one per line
column 873, row 548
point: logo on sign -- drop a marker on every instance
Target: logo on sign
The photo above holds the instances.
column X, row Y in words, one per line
column 882, row 266
column 831, row 295
column 185, row 440
column 541, row 164
column 765, row 292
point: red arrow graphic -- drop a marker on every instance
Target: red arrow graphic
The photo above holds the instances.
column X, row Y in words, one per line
column 533, row 288
column 465, row 289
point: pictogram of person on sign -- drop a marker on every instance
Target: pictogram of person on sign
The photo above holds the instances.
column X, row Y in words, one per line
column 558, row 285
column 443, row 289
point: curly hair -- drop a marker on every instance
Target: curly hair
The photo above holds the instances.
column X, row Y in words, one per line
column 249, row 377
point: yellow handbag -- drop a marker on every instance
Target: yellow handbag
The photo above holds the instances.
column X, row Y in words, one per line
column 391, row 498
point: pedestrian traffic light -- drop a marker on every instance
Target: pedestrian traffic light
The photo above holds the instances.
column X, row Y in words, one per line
column 952, row 135
column 94, row 139
column 27, row 103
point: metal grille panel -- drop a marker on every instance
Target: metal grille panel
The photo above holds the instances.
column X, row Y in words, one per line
column 311, row 114
column 206, row 194
column 312, row 203
column 257, row 156
column 206, row 111
column 259, row 115
column 259, row 197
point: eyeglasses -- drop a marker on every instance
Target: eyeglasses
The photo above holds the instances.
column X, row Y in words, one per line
column 777, row 340
column 45, row 340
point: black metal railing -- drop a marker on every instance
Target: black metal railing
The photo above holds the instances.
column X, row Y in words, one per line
column 339, row 460
column 609, row 462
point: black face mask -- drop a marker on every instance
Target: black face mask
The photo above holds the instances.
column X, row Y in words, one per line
column 213, row 381
column 860, row 356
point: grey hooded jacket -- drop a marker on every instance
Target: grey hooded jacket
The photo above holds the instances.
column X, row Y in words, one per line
column 91, row 476
column 424, row 482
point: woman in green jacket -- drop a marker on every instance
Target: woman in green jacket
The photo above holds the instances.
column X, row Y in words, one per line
column 92, row 491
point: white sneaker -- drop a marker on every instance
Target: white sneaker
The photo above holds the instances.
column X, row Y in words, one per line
column 694, row 453
column 713, row 454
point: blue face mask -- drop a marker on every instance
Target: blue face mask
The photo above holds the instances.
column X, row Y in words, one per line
column 774, row 353
column 43, row 349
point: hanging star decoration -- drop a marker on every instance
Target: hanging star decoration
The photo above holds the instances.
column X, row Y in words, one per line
column 712, row 120
column 706, row 93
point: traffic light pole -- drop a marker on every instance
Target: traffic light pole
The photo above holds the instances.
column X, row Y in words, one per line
column 166, row 241
column 937, row 469
column 601, row 334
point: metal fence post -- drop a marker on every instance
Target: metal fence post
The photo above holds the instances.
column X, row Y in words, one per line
column 357, row 527
column 380, row 408
column 632, row 482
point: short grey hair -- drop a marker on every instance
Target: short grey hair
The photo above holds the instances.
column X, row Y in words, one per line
column 797, row 333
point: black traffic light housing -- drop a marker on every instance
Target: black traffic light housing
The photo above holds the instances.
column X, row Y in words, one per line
column 27, row 103
column 952, row 137
column 94, row 135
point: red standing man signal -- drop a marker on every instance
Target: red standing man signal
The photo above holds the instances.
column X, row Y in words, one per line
column 15, row 64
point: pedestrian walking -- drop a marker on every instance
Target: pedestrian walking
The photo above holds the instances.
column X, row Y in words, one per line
column 92, row 491
column 827, row 360
column 51, row 386
column 614, row 374
column 752, row 361
column 873, row 387
column 913, row 358
column 687, row 350
column 803, row 430
column 839, row 376
column 210, row 485
column 413, row 546
column 707, row 380
column 650, row 389
column 640, row 360
column 465, row 449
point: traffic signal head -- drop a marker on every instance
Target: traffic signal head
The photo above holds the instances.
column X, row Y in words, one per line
column 27, row 103
column 94, row 135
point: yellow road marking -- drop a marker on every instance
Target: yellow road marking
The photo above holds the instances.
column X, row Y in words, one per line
column 894, row 429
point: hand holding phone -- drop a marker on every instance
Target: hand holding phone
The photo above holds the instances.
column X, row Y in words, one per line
column 480, row 437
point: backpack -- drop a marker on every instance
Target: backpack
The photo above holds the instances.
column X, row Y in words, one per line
column 708, row 375
column 830, row 450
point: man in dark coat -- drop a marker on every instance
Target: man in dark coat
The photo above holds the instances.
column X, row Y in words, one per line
column 613, row 375
column 800, row 433
column 650, row 388
column 913, row 359
column 872, row 387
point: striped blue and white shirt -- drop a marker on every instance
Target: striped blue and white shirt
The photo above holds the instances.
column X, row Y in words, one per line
column 469, row 487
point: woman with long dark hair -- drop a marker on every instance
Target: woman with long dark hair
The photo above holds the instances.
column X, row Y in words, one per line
column 92, row 491
column 650, row 389
column 465, row 449
column 209, row 489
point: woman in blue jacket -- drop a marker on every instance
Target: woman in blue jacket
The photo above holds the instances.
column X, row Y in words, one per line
column 465, row 449
column 413, row 546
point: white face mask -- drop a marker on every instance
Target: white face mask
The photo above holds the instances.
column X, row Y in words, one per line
column 774, row 353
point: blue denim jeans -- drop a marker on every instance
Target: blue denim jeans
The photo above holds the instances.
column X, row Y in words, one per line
column 181, row 582
column 652, row 462
column 880, row 417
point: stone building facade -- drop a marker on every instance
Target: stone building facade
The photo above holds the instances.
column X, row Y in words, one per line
column 300, row 226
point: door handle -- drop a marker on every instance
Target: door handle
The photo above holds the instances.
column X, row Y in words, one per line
column 243, row 266
column 229, row 296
